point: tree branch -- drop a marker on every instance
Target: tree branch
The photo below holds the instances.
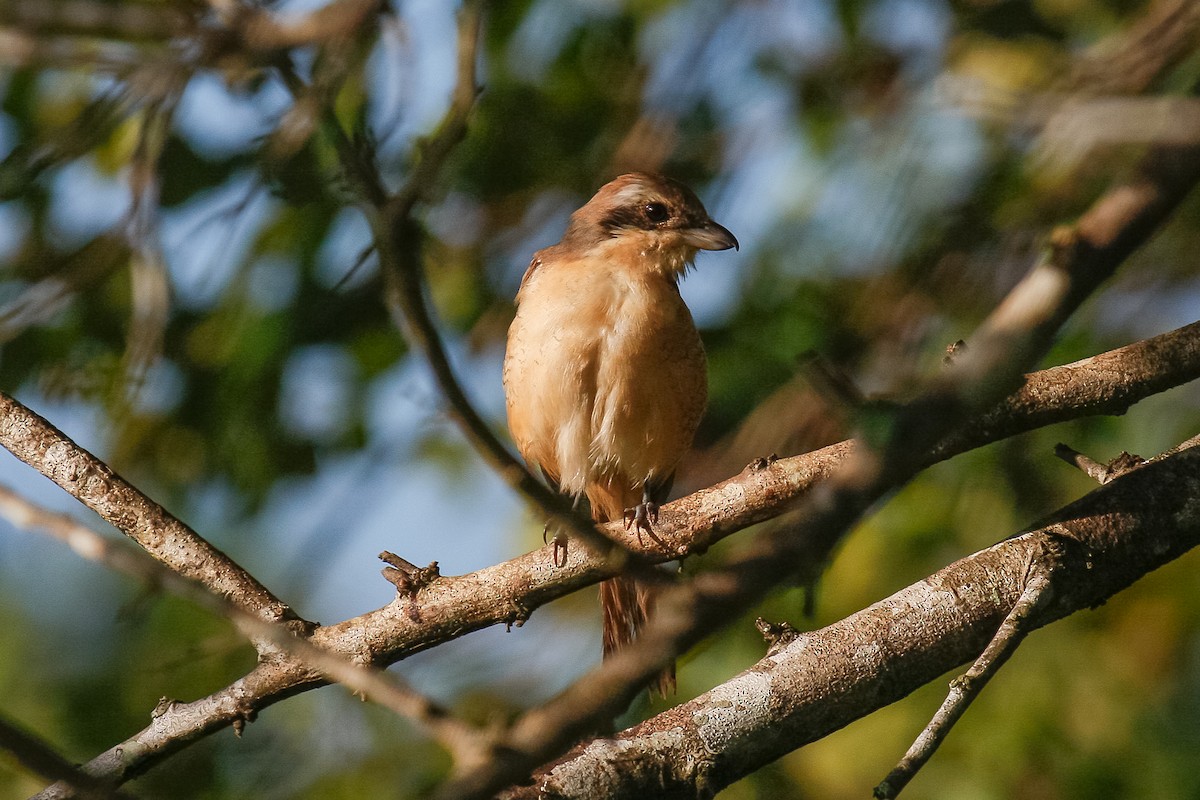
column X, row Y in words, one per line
column 466, row 743
column 1019, row 622
column 825, row 679
column 89, row 480
column 95, row 19
column 1108, row 383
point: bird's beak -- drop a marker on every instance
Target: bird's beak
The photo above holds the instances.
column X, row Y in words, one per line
column 710, row 236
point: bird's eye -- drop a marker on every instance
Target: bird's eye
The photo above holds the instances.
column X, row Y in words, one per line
column 655, row 212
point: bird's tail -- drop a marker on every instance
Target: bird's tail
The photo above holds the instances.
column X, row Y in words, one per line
column 625, row 603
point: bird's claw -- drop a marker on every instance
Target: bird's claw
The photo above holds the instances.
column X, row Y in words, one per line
column 559, row 540
column 560, row 544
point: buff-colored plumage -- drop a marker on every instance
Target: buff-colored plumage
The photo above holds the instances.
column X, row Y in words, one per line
column 605, row 375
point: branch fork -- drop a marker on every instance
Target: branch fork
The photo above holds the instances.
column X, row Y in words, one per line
column 1020, row 621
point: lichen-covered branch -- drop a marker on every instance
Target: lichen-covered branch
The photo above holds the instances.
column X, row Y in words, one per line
column 823, row 680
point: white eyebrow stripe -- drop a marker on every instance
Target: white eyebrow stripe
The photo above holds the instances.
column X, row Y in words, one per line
column 630, row 194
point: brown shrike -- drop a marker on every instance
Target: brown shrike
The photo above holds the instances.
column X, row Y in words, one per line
column 605, row 374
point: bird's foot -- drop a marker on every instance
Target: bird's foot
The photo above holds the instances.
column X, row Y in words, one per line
column 639, row 517
column 642, row 515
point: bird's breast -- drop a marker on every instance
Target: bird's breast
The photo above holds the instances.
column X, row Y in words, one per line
column 605, row 375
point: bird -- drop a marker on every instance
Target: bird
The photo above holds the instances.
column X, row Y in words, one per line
column 605, row 376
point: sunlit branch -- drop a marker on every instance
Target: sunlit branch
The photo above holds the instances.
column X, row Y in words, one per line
column 1132, row 61
column 1096, row 102
column 88, row 479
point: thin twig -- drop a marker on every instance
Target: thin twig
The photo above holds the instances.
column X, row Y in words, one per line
column 1085, row 464
column 1016, row 626
column 1101, row 473
column 964, row 689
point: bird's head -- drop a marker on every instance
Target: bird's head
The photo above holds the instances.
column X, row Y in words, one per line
column 652, row 219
